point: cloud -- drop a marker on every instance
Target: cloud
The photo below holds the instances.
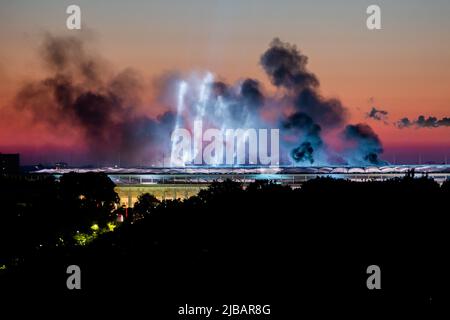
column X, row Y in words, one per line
column 423, row 122
column 377, row 114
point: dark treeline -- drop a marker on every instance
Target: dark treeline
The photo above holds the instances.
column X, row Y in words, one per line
column 265, row 241
column 39, row 211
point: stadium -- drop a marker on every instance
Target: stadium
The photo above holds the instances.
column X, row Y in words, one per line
column 181, row 183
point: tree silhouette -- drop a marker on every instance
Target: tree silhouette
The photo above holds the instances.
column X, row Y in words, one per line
column 245, row 239
column 145, row 205
column 87, row 198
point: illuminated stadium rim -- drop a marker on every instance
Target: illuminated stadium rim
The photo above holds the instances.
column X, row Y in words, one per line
column 255, row 170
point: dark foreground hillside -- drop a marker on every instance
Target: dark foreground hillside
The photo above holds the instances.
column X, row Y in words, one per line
column 266, row 244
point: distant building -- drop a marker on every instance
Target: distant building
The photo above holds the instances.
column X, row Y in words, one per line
column 9, row 163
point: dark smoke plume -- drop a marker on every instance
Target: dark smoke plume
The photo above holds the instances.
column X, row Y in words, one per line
column 304, row 152
column 422, row 122
column 79, row 95
column 366, row 145
column 311, row 140
column 105, row 108
column 251, row 94
column 286, row 67
column 241, row 104
column 329, row 113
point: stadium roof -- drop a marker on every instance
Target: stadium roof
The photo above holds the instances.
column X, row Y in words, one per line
column 261, row 170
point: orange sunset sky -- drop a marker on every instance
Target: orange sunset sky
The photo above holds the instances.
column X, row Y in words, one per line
column 404, row 68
